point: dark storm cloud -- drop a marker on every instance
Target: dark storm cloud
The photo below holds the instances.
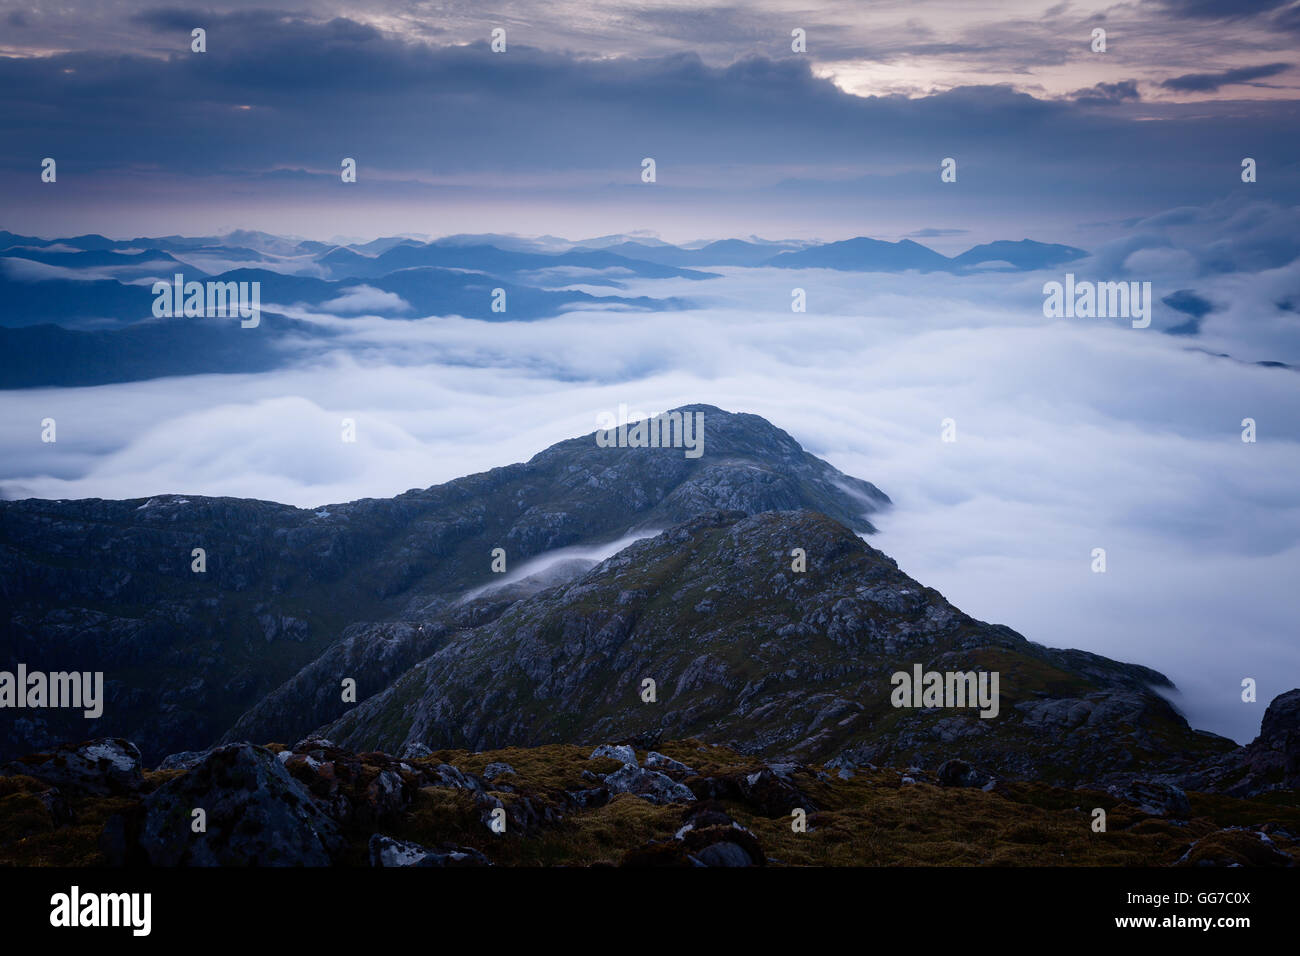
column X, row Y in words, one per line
column 1283, row 15
column 1222, row 9
column 1210, row 82
column 165, row 19
column 1104, row 94
column 278, row 93
column 1288, row 20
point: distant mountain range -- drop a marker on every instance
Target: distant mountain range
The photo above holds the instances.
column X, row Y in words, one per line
column 514, row 253
column 79, row 310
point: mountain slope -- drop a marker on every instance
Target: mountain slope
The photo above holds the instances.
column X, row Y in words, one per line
column 498, row 261
column 107, row 585
column 1024, row 255
column 864, row 255
column 748, row 653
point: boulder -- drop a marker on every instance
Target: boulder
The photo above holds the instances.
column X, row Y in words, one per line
column 256, row 815
column 648, row 784
column 708, row 836
column 368, row 790
column 722, row 853
column 1234, row 846
column 657, row 761
column 447, row 775
column 621, row 752
column 771, row 792
column 311, row 742
column 184, row 760
column 587, row 799
column 387, row 852
column 958, row 773
column 1154, row 798
column 523, row 813
column 101, row 767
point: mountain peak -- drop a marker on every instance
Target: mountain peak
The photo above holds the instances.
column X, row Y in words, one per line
column 283, row 584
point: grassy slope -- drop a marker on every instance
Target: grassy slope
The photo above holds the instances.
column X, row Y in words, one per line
column 872, row 819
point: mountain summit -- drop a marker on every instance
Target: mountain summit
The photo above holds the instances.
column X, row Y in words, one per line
column 94, row 585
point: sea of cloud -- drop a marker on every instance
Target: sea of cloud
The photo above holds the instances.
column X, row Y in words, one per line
column 1071, row 435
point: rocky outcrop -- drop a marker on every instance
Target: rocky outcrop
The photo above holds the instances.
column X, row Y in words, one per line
column 623, row 753
column 1269, row 762
column 1235, row 846
column 782, row 664
column 105, row 766
column 708, row 836
column 387, row 852
column 648, row 784
column 291, row 600
column 958, row 773
column 674, row 768
column 1155, row 798
column 773, row 790
column 237, row 807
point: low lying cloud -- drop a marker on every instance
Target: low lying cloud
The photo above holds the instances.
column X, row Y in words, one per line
column 364, row 298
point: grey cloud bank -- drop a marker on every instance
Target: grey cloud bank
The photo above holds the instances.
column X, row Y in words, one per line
column 254, row 131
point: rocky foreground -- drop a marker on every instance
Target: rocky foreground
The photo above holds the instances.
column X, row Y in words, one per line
column 642, row 803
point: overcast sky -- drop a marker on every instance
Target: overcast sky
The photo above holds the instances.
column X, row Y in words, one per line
column 1052, row 140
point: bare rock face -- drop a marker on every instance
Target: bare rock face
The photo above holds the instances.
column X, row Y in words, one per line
column 387, row 852
column 648, row 784
column 1279, row 737
column 622, row 753
column 1235, row 846
column 958, row 773
column 104, row 766
column 1269, row 762
column 1155, row 798
column 778, row 663
column 255, row 814
column 708, row 837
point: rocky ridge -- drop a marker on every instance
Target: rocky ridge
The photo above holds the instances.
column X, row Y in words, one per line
column 780, row 664
column 107, row 585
